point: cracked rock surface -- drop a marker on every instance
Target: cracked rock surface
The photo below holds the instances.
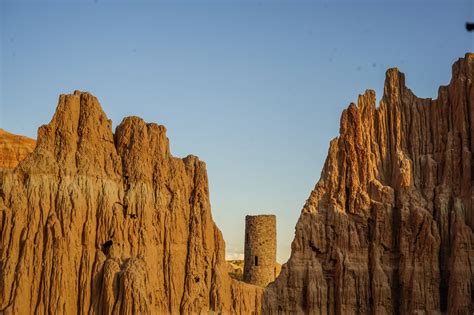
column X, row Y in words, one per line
column 101, row 223
column 388, row 229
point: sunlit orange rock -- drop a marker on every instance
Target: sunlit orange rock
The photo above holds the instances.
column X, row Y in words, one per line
column 13, row 149
column 101, row 223
column 388, row 229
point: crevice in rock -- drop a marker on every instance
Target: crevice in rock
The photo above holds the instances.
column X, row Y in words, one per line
column 106, row 247
column 313, row 247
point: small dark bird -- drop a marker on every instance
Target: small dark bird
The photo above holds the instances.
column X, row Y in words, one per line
column 469, row 27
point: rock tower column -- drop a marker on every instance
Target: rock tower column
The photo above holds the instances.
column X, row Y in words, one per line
column 260, row 249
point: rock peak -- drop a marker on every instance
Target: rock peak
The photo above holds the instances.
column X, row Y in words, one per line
column 78, row 140
column 394, row 82
column 463, row 67
column 390, row 222
column 78, row 92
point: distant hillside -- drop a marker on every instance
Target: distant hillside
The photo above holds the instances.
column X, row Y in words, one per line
column 13, row 149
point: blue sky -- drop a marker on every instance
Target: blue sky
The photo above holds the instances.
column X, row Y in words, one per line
column 255, row 89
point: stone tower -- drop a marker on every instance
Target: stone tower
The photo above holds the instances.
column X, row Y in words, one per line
column 260, row 249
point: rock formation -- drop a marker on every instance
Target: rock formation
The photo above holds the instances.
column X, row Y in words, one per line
column 388, row 229
column 236, row 269
column 101, row 223
column 13, row 149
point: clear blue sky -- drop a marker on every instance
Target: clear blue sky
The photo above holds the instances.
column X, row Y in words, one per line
column 255, row 89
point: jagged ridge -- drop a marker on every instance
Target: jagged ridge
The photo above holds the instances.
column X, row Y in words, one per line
column 96, row 222
column 388, row 227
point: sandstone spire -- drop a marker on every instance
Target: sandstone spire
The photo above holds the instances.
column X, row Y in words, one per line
column 93, row 222
column 388, row 229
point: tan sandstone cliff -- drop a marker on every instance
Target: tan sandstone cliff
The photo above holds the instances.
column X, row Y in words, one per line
column 100, row 223
column 388, row 229
column 13, row 149
column 96, row 222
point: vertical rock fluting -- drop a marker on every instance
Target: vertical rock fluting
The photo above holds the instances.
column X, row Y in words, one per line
column 93, row 222
column 388, row 229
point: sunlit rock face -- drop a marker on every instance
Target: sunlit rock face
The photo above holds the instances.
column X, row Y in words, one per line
column 388, row 229
column 97, row 222
column 101, row 223
column 13, row 149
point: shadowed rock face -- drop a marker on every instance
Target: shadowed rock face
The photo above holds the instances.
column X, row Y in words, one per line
column 13, row 149
column 93, row 222
column 389, row 226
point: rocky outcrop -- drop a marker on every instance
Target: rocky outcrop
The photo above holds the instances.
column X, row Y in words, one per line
column 388, row 229
column 236, row 269
column 101, row 223
column 13, row 149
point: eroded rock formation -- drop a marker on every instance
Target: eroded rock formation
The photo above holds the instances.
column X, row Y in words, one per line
column 13, row 149
column 96, row 222
column 388, row 229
